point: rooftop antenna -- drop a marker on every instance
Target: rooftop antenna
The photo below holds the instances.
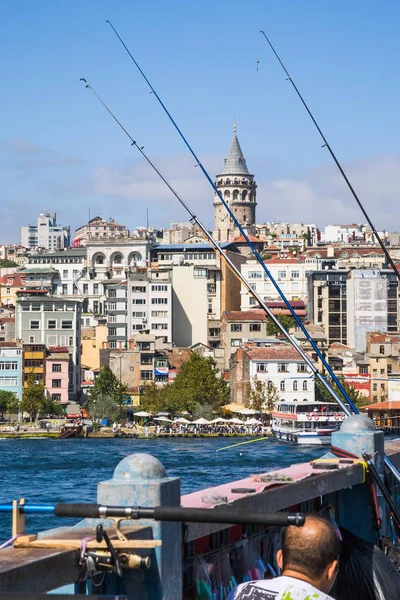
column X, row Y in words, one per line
column 339, row 166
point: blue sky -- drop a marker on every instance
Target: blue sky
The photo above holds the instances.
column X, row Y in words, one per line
column 60, row 150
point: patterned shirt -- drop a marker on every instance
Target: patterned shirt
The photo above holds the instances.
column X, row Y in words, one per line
column 281, row 588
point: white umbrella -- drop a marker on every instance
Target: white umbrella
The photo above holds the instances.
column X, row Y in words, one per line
column 236, row 421
column 248, row 411
column 163, row 414
column 253, row 422
column 219, row 420
column 163, row 419
column 182, row 420
column 142, row 413
column 201, row 422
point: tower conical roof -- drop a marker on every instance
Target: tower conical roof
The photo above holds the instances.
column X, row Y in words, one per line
column 235, row 163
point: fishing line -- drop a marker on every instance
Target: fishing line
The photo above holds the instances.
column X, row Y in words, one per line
column 230, row 264
column 339, row 166
column 243, row 232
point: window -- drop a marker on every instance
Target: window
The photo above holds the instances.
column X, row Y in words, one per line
column 56, row 368
column 282, row 386
column 236, row 327
column 302, row 368
column 8, row 366
column 66, row 324
column 382, row 372
column 112, row 293
column 236, row 343
column 158, row 301
column 363, row 370
column 295, row 385
column 281, row 274
column 200, row 273
column 382, row 349
column 113, row 345
column 56, row 383
column 64, row 289
column 140, row 301
column 255, row 275
column 112, row 331
column 389, row 369
column 56, row 397
column 255, row 327
column 112, row 306
column 262, row 367
column 382, row 386
column 295, row 274
column 305, row 386
column 70, row 341
column 374, row 387
column 95, row 288
column 159, row 325
column 51, row 324
column 34, row 325
column 146, row 375
column 159, row 288
column 31, row 339
column 138, row 288
column 112, row 318
column 75, row 273
column 283, row 367
column 8, row 290
column 158, row 313
column 85, row 289
column 65, row 273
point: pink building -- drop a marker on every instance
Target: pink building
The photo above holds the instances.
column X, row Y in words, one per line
column 57, row 362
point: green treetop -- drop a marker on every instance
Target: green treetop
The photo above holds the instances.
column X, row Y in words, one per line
column 34, row 400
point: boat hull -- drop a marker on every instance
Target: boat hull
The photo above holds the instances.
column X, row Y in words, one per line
column 312, row 438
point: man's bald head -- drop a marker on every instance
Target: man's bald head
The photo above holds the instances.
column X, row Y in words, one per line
column 310, row 549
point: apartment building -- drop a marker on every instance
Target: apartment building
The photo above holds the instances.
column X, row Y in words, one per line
column 46, row 234
column 57, row 374
column 34, row 361
column 239, row 327
column 279, row 364
column 9, row 284
column 290, row 274
column 383, row 352
column 99, row 229
column 116, row 312
column 11, row 368
column 42, row 319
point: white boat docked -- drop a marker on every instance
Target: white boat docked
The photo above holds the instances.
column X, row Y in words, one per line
column 306, row 422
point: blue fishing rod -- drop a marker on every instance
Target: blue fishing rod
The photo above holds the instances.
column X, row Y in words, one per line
column 331, row 373
column 225, row 256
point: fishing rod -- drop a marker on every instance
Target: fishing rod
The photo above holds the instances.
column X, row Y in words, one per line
column 243, row 232
column 388, row 462
column 339, row 166
column 232, row 266
column 162, row 513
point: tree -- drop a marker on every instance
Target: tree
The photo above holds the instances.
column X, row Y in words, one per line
column 286, row 320
column 322, row 394
column 8, row 402
column 153, row 397
column 261, row 395
column 104, row 407
column 33, row 397
column 107, row 384
column 7, row 264
column 197, row 383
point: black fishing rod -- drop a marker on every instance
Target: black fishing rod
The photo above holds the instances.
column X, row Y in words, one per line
column 243, row 232
column 339, row 166
column 162, row 513
column 232, row 266
column 385, row 493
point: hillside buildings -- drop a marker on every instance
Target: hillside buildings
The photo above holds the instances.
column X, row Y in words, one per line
column 46, row 234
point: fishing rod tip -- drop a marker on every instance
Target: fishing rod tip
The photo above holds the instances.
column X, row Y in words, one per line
column 83, row 79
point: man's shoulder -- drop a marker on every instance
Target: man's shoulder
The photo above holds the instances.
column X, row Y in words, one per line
column 280, row 588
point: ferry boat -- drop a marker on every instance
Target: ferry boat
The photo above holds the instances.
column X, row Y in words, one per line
column 306, row 422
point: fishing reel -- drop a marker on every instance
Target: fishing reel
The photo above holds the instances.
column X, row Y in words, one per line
column 98, row 560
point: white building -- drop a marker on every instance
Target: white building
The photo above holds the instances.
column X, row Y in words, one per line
column 46, row 234
column 53, row 321
column 149, row 303
column 99, row 229
column 289, row 273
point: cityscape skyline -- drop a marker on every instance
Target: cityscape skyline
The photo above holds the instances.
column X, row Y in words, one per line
column 53, row 149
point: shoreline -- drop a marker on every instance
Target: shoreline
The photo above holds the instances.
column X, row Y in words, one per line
column 127, row 435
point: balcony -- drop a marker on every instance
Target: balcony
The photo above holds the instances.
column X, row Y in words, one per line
column 211, row 288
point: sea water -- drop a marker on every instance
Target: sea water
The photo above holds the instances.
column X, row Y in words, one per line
column 49, row 470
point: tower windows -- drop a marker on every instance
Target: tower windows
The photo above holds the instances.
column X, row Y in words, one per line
column 227, row 194
column 244, row 195
column 235, row 194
